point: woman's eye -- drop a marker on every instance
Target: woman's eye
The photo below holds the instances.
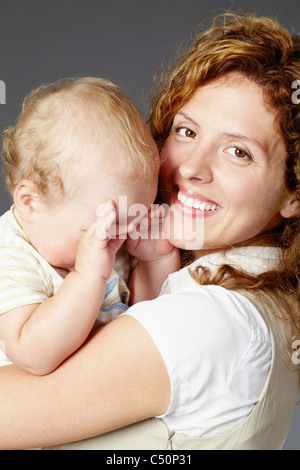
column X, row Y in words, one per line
column 239, row 153
column 185, row 132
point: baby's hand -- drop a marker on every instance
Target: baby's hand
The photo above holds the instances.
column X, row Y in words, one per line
column 99, row 244
column 147, row 242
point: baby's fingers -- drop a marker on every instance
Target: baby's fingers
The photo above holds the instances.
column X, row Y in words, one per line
column 106, row 221
column 104, row 209
column 153, row 216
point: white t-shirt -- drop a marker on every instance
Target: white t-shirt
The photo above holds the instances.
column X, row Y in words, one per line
column 215, row 345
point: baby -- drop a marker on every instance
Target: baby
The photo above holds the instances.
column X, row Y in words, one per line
column 78, row 149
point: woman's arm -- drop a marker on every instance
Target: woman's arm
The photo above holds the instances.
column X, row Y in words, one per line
column 118, row 377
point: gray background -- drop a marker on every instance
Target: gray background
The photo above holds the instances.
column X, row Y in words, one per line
column 126, row 41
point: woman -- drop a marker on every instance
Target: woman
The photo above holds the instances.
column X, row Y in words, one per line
column 210, row 358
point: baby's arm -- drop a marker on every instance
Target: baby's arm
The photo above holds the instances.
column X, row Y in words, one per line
column 39, row 337
column 157, row 258
column 147, row 278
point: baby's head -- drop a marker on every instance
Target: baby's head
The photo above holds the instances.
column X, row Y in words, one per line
column 76, row 144
column 62, row 129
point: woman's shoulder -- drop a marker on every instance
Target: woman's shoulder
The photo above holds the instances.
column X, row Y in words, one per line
column 203, row 312
column 210, row 339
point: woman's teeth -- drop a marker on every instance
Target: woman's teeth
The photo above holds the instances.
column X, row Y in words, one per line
column 196, row 203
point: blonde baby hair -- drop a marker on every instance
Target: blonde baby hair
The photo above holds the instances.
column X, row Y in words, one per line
column 63, row 118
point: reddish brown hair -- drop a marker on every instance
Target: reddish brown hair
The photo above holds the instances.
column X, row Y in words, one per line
column 263, row 51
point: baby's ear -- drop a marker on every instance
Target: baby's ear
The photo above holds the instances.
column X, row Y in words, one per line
column 291, row 207
column 27, row 199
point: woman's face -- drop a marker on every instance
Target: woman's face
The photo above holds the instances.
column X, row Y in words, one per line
column 223, row 166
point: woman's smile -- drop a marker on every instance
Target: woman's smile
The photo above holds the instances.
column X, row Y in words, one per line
column 194, row 204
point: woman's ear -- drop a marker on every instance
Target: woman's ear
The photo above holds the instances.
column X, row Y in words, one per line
column 27, row 199
column 291, row 207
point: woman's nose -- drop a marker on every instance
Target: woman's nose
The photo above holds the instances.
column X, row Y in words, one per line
column 197, row 166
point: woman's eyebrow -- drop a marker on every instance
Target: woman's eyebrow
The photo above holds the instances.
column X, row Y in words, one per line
column 245, row 138
column 186, row 116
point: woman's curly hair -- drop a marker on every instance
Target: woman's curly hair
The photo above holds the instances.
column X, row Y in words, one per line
column 263, row 51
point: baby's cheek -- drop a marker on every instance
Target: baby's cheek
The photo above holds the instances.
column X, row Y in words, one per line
column 69, row 254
